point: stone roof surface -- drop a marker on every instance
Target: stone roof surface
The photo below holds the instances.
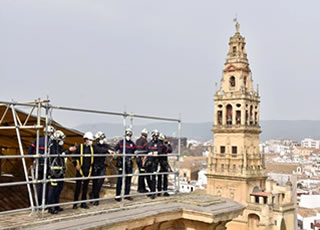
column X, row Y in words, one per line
column 210, row 209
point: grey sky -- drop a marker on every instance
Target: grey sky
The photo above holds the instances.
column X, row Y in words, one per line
column 157, row 57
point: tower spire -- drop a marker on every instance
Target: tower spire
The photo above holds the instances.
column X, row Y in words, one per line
column 237, row 25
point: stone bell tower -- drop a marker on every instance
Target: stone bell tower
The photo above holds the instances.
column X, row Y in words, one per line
column 235, row 163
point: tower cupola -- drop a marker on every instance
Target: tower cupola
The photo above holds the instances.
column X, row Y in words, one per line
column 237, row 52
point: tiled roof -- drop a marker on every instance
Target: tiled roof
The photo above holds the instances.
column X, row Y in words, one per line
column 306, row 212
column 192, row 162
column 282, row 168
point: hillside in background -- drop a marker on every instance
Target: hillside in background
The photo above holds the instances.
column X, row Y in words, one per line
column 272, row 129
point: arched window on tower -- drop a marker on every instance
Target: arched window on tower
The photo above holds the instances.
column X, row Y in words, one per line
column 229, row 114
column 234, row 51
column 251, row 115
column 247, row 117
column 256, row 189
column 256, row 118
column 232, row 81
column 253, row 221
column 219, row 116
column 245, row 82
column 238, row 117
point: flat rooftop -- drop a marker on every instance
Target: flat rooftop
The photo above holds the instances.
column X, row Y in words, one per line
column 142, row 211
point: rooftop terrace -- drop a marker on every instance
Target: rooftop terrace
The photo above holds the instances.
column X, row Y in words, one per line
column 174, row 212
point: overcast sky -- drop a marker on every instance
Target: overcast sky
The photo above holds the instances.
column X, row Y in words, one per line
column 158, row 57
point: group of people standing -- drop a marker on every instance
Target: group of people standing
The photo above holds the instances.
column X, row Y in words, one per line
column 151, row 157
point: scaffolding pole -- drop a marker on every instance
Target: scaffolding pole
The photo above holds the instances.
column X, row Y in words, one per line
column 23, row 159
column 179, row 153
column 45, row 160
column 123, row 158
column 37, row 150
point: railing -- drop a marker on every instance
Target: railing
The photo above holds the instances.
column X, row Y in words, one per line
column 37, row 106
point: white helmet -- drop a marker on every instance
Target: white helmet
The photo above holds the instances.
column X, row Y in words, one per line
column 162, row 137
column 88, row 135
column 59, row 135
column 128, row 132
column 50, row 129
column 144, row 132
column 155, row 133
column 99, row 135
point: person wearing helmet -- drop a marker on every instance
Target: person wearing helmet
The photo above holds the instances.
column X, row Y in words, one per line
column 32, row 150
column 142, row 147
column 84, row 167
column 151, row 164
column 130, row 148
column 99, row 166
column 164, row 165
column 56, row 170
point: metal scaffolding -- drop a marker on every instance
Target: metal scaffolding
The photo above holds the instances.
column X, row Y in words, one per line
column 33, row 179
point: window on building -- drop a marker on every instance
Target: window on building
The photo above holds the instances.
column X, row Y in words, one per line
column 234, row 50
column 245, row 82
column 232, row 81
column 234, row 168
column 222, row 149
column 247, row 117
column 251, row 115
column 255, row 118
column 238, row 117
column 219, row 117
column 229, row 114
column 253, row 221
column 234, row 150
column 222, row 167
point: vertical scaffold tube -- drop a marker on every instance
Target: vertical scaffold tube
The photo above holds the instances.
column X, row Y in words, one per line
column 45, row 160
column 23, row 159
column 37, row 150
column 123, row 158
column 179, row 153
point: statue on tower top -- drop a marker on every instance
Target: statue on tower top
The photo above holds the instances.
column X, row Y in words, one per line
column 237, row 24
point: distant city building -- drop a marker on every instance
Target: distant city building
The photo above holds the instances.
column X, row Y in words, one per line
column 190, row 167
column 308, row 219
column 310, row 143
column 174, row 141
column 282, row 147
column 202, row 179
column 302, row 151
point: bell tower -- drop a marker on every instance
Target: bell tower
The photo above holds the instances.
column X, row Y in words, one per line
column 235, row 164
